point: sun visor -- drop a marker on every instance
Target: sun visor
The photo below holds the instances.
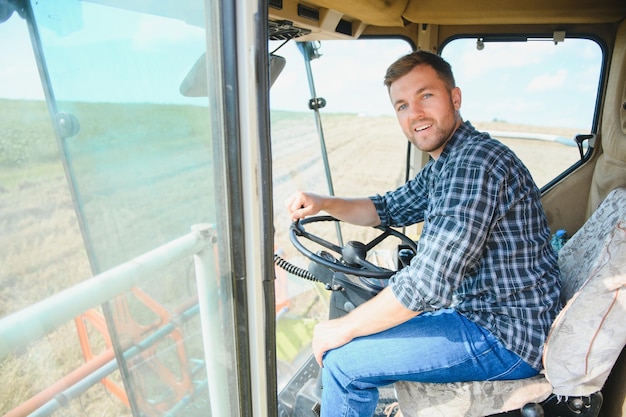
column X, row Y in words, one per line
column 194, row 84
column 277, row 63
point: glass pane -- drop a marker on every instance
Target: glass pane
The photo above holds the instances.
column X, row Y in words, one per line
column 360, row 129
column 134, row 165
column 534, row 96
column 360, row 132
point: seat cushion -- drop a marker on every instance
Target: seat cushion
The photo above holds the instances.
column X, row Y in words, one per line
column 469, row 399
column 593, row 272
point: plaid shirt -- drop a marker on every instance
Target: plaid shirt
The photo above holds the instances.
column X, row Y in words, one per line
column 485, row 246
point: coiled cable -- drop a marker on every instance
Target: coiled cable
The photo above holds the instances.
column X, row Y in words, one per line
column 293, row 269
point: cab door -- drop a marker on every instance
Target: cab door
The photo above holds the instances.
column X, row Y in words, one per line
column 140, row 203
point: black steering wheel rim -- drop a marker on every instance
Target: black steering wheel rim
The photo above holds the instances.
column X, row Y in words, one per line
column 297, row 230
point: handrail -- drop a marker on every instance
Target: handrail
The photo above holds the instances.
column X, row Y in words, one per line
column 106, row 369
column 25, row 326
column 75, row 383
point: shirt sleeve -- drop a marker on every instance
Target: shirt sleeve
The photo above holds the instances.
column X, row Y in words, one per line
column 404, row 206
column 456, row 226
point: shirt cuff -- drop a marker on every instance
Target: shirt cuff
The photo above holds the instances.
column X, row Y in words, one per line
column 406, row 293
column 380, row 205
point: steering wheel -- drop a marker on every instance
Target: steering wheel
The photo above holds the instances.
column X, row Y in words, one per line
column 352, row 254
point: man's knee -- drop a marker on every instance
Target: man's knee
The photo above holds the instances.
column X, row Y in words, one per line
column 332, row 360
column 339, row 363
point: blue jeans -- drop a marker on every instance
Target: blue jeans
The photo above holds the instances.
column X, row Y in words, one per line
column 442, row 346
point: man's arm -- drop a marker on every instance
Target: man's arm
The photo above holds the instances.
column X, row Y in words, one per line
column 380, row 313
column 359, row 211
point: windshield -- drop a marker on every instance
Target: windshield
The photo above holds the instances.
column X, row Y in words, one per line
column 366, row 155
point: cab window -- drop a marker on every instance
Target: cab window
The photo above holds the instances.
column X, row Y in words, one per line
column 535, row 95
column 366, row 152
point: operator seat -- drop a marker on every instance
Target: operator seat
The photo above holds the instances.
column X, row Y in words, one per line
column 584, row 342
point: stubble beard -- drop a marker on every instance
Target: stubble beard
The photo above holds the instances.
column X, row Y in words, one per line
column 439, row 139
column 440, row 136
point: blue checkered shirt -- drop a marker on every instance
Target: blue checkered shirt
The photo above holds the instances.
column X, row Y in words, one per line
column 485, row 246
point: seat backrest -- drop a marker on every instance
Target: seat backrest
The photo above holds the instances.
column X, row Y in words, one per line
column 590, row 332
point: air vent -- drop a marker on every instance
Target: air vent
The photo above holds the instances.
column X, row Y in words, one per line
column 344, row 27
column 308, row 12
column 276, row 4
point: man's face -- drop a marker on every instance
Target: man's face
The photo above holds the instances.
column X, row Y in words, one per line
column 427, row 111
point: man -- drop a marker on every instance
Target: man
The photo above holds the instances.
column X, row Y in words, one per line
column 479, row 296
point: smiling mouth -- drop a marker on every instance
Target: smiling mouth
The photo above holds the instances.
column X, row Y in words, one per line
column 422, row 128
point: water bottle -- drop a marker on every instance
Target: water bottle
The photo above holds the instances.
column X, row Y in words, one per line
column 558, row 240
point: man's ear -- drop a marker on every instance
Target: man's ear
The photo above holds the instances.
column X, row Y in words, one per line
column 456, row 98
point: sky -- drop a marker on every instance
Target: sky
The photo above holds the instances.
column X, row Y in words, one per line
column 534, row 82
column 145, row 58
column 18, row 72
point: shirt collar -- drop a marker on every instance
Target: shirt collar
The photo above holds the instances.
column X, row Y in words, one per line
column 463, row 132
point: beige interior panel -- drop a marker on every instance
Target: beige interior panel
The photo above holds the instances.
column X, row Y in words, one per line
column 504, row 11
column 400, row 13
column 372, row 12
column 610, row 170
column 565, row 205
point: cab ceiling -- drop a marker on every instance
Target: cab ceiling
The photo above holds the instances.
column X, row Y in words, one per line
column 324, row 15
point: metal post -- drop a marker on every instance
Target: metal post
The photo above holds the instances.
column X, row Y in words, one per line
column 211, row 322
column 309, row 53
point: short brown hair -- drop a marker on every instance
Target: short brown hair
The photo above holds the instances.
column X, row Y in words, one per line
column 406, row 63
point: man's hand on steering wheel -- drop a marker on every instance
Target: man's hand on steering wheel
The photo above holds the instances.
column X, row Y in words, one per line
column 304, row 204
column 352, row 255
